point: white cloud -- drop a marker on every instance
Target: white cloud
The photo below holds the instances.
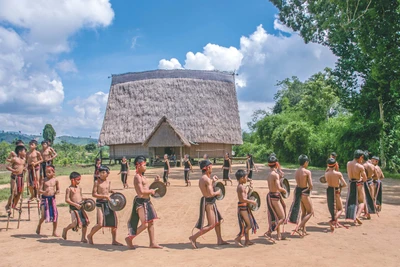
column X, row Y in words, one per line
column 134, row 42
column 261, row 61
column 50, row 23
column 171, row 64
column 198, row 61
column 28, row 82
column 67, row 66
column 281, row 27
column 246, row 110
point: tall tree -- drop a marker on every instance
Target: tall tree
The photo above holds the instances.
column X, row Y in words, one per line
column 364, row 34
column 49, row 133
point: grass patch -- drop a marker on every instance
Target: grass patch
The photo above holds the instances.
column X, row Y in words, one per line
column 285, row 165
column 392, row 175
column 62, row 205
column 4, row 194
column 5, row 178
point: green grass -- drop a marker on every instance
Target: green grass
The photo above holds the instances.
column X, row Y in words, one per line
column 62, row 205
column 392, row 175
column 4, row 178
column 4, row 194
column 296, row 166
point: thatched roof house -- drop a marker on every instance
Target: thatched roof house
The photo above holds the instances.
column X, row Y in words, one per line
column 171, row 111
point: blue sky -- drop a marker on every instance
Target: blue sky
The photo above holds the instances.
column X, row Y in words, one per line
column 56, row 56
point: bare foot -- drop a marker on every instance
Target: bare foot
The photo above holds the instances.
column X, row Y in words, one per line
column 331, row 226
column 368, row 216
column 55, row 234
column 238, row 241
column 129, row 242
column 297, row 232
column 268, row 235
column 64, row 234
column 155, row 246
column 115, row 243
column 193, row 242
column 90, row 239
column 222, row 243
column 281, row 237
column 248, row 243
column 84, row 240
column 38, row 230
column 358, row 221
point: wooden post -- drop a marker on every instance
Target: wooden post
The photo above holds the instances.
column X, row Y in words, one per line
column 180, row 156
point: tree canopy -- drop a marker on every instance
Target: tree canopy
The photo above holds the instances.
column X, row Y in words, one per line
column 49, row 133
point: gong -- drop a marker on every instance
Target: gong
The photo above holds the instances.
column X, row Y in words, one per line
column 285, row 184
column 253, row 195
column 89, row 205
column 160, row 188
column 117, row 202
column 220, row 186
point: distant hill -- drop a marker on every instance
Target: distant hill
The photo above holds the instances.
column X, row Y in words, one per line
column 9, row 137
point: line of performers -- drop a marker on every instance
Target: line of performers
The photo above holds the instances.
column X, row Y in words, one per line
column 365, row 182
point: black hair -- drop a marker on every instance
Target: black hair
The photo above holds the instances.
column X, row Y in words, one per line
column 376, row 158
column 33, row 142
column 45, row 142
column 358, row 153
column 331, row 161
column 96, row 160
column 334, row 154
column 74, row 175
column 239, row 174
column 272, row 154
column 272, row 160
column 303, row 159
column 204, row 164
column 139, row 159
column 19, row 143
column 366, row 155
column 104, row 168
column 19, row 149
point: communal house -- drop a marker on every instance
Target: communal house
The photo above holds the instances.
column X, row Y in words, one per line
column 179, row 112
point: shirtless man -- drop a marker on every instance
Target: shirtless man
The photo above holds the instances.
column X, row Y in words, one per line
column 369, row 187
column 245, row 216
column 105, row 216
column 302, row 198
column 143, row 209
column 48, row 207
column 335, row 183
column 208, row 206
column 276, row 208
column 48, row 154
column 333, row 155
column 356, row 196
column 34, row 159
column 73, row 197
column 16, row 167
column 377, row 179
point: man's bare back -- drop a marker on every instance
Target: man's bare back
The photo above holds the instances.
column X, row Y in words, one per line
column 356, row 171
column 334, row 178
column 303, row 178
column 369, row 169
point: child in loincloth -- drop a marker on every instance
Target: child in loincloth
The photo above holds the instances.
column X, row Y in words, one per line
column 245, row 216
column 335, row 183
column 16, row 167
column 105, row 216
column 73, row 197
column 48, row 207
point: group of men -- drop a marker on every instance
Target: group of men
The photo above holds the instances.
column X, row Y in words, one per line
column 365, row 186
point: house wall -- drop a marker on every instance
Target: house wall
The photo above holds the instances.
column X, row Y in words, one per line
column 128, row 150
column 133, row 150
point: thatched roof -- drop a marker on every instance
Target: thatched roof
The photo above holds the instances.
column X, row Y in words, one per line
column 202, row 106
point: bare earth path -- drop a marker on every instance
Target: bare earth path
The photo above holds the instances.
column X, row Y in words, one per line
column 374, row 243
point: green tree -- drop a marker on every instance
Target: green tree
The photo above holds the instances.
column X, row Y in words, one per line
column 364, row 36
column 49, row 133
column 90, row 147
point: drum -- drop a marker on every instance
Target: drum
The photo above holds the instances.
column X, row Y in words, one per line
column 220, row 186
column 253, row 195
column 89, row 205
column 160, row 188
column 285, row 184
column 117, row 202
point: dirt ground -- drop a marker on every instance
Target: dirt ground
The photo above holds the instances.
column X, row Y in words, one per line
column 376, row 242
